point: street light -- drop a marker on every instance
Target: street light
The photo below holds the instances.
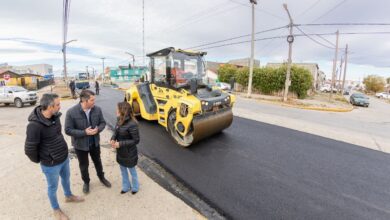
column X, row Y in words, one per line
column 253, row 2
column 132, row 56
column 64, row 55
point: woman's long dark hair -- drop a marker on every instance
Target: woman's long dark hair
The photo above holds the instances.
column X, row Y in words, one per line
column 125, row 110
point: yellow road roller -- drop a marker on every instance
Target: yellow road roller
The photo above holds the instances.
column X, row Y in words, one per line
column 179, row 97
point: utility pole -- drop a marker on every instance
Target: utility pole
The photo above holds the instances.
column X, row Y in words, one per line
column 103, row 75
column 132, row 57
column 65, row 18
column 345, row 68
column 143, row 32
column 86, row 67
column 334, row 64
column 290, row 40
column 340, row 72
column 253, row 2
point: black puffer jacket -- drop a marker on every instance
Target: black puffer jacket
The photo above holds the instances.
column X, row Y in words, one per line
column 45, row 142
column 128, row 137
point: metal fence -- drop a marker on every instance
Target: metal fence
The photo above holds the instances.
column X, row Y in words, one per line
column 44, row 83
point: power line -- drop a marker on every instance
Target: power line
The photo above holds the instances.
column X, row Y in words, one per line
column 309, row 8
column 299, row 35
column 296, row 25
column 212, row 11
column 241, row 42
column 323, row 38
column 233, row 38
column 344, row 24
column 204, row 17
column 259, row 9
column 314, row 40
column 330, row 10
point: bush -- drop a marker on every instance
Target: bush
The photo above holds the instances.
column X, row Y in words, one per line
column 226, row 72
column 242, row 76
column 301, row 81
column 268, row 80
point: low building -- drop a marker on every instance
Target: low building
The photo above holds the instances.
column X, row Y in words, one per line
column 245, row 62
column 212, row 71
column 9, row 78
column 30, row 81
column 126, row 73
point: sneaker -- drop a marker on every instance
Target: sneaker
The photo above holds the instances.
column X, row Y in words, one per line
column 74, row 198
column 59, row 215
column 86, row 188
column 105, row 182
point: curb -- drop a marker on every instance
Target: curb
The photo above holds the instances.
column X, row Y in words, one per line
column 66, row 98
column 321, row 108
column 307, row 107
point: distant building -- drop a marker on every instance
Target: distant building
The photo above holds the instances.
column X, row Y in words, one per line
column 28, row 80
column 38, row 69
column 245, row 62
column 126, row 73
column 212, row 71
column 10, row 78
column 318, row 76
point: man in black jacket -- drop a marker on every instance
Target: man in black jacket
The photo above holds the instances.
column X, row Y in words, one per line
column 45, row 144
column 83, row 123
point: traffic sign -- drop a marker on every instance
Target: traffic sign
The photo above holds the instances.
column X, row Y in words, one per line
column 7, row 77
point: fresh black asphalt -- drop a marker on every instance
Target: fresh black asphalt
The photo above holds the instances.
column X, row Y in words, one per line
column 254, row 170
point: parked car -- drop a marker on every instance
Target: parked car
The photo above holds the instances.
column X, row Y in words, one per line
column 326, row 88
column 383, row 95
column 223, row 86
column 17, row 95
column 347, row 92
column 359, row 99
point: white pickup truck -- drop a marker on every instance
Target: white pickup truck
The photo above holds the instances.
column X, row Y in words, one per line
column 17, row 95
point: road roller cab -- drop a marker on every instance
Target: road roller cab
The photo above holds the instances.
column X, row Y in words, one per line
column 179, row 98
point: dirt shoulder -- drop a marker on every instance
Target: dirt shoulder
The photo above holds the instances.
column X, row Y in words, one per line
column 24, row 195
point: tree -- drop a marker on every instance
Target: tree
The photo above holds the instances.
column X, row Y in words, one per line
column 374, row 83
column 388, row 80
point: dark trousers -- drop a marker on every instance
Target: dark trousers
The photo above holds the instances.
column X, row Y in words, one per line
column 73, row 93
column 84, row 162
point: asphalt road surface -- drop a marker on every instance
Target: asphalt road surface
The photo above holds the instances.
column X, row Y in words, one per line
column 255, row 170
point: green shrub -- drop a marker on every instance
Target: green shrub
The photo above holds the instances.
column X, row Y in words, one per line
column 301, row 81
column 242, row 76
column 226, row 72
column 269, row 80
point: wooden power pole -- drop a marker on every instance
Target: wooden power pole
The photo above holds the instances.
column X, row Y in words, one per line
column 334, row 64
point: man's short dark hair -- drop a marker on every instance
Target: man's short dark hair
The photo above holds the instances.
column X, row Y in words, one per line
column 86, row 94
column 48, row 100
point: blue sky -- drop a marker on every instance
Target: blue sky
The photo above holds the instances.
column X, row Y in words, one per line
column 31, row 31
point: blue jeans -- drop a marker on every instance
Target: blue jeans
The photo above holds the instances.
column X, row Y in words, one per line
column 126, row 185
column 52, row 175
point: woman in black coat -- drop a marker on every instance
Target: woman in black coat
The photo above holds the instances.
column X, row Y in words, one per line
column 125, row 140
